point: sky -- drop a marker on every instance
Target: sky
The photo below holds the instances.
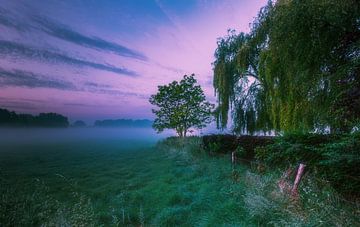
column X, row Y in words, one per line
column 92, row 59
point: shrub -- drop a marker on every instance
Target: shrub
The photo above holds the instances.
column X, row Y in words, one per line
column 250, row 143
column 240, row 152
column 224, row 144
column 336, row 158
column 221, row 144
column 341, row 163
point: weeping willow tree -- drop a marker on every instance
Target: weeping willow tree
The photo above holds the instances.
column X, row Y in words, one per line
column 298, row 68
column 237, row 80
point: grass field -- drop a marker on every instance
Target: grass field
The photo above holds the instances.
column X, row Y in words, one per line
column 138, row 183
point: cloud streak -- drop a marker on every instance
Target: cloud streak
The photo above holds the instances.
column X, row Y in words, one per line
column 65, row 33
column 17, row 49
column 8, row 21
column 18, row 78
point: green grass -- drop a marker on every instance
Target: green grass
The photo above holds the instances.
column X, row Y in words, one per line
column 171, row 184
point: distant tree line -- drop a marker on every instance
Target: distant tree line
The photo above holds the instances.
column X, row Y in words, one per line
column 78, row 124
column 54, row 120
column 123, row 123
column 51, row 120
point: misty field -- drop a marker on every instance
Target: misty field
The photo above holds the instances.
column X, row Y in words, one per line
column 117, row 182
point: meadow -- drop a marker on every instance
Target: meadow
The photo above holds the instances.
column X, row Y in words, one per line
column 114, row 181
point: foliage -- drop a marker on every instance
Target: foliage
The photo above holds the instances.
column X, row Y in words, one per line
column 225, row 144
column 11, row 119
column 240, row 152
column 298, row 68
column 291, row 149
column 220, row 144
column 341, row 163
column 181, row 106
column 336, row 158
column 250, row 143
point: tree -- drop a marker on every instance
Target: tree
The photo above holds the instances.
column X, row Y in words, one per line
column 79, row 124
column 51, row 120
column 297, row 70
column 181, row 106
column 12, row 119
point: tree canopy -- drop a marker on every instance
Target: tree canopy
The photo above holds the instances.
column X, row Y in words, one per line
column 181, row 106
column 296, row 70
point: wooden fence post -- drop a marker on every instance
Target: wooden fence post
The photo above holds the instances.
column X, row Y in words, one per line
column 299, row 174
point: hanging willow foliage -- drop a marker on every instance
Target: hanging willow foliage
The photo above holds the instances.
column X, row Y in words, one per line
column 298, row 68
column 237, row 82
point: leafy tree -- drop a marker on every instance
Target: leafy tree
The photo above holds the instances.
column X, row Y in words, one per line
column 181, row 106
column 297, row 70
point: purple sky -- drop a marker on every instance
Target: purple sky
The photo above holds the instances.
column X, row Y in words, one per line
column 91, row 59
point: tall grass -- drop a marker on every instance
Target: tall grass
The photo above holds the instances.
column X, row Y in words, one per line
column 173, row 184
column 260, row 198
column 37, row 207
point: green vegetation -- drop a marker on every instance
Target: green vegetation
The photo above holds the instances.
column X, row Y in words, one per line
column 296, row 70
column 181, row 106
column 244, row 145
column 334, row 158
column 49, row 120
column 173, row 184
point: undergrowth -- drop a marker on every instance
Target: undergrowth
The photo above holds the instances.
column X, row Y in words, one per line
column 262, row 203
column 334, row 158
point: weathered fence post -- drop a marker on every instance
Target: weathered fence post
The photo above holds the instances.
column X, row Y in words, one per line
column 233, row 158
column 235, row 174
column 299, row 174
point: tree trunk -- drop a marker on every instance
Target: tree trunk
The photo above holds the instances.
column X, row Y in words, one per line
column 179, row 132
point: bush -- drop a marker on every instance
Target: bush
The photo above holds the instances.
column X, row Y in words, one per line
column 340, row 163
column 336, row 158
column 220, row 144
column 250, row 143
column 225, row 144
